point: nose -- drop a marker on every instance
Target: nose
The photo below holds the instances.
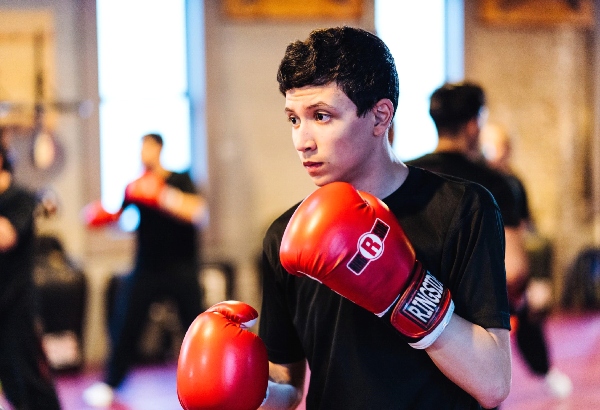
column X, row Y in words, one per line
column 303, row 139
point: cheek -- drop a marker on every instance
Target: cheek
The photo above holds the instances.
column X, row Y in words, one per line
column 345, row 150
column 351, row 138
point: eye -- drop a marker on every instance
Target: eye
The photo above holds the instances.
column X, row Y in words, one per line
column 293, row 120
column 321, row 116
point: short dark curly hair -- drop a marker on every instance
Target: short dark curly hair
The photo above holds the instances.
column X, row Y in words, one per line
column 356, row 60
column 155, row 137
column 454, row 104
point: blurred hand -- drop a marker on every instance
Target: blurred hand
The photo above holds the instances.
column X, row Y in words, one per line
column 8, row 235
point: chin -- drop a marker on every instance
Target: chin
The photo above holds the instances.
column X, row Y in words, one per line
column 320, row 181
column 324, row 181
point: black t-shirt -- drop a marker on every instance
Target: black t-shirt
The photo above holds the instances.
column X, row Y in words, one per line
column 163, row 240
column 16, row 264
column 358, row 360
column 456, row 164
column 521, row 196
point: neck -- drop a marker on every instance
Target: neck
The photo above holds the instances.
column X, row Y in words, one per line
column 452, row 143
column 158, row 170
column 385, row 179
column 457, row 144
column 502, row 166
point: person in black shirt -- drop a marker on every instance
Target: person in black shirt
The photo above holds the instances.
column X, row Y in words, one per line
column 341, row 92
column 166, row 261
column 24, row 369
column 458, row 111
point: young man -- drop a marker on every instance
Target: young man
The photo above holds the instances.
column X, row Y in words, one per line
column 341, row 93
column 166, row 262
column 24, row 370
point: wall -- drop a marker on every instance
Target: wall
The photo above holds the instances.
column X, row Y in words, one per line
column 538, row 82
column 65, row 87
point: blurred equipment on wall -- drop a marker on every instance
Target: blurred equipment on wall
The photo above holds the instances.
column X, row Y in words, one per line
column 29, row 107
column 61, row 295
column 581, row 286
column 217, row 279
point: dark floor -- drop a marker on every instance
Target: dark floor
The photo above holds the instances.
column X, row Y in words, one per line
column 574, row 343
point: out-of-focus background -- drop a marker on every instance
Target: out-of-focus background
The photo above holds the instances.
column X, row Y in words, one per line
column 82, row 80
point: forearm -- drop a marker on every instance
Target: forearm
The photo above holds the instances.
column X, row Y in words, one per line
column 476, row 359
column 8, row 235
column 188, row 207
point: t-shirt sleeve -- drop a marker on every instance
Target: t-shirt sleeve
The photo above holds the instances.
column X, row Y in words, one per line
column 521, row 195
column 183, row 182
column 507, row 202
column 276, row 327
column 475, row 255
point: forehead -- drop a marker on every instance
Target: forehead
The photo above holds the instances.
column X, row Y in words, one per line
column 150, row 142
column 312, row 96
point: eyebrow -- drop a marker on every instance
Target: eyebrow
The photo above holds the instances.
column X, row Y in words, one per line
column 310, row 107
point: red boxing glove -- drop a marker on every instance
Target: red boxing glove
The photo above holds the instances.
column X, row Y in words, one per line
column 146, row 190
column 222, row 366
column 94, row 215
column 351, row 242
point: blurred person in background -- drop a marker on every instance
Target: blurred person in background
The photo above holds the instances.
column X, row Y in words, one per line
column 25, row 372
column 167, row 259
column 535, row 300
column 458, row 111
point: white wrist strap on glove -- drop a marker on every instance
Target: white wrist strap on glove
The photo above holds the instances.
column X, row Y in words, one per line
column 278, row 396
column 428, row 340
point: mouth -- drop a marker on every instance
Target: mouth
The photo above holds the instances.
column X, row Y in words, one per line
column 311, row 166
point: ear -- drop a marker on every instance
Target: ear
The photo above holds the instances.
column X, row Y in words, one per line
column 472, row 127
column 383, row 111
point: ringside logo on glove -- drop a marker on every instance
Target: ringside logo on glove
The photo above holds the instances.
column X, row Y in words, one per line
column 370, row 247
column 424, row 301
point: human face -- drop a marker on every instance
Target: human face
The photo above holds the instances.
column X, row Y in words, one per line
column 332, row 142
column 150, row 153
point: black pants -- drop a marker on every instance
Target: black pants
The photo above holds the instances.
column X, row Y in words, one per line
column 531, row 340
column 24, row 369
column 133, row 301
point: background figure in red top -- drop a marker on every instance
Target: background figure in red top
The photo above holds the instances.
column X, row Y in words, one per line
column 167, row 260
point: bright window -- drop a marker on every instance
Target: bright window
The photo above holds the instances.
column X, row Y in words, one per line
column 420, row 35
column 143, row 88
